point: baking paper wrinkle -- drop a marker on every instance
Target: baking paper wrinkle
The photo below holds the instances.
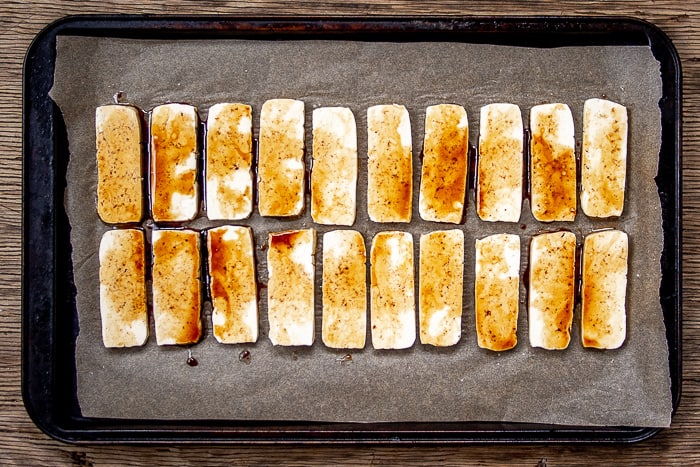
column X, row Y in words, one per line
column 627, row 387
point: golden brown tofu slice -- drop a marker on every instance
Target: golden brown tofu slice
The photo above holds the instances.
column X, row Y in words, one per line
column 604, row 288
column 603, row 158
column 445, row 164
column 390, row 164
column 344, row 290
column 552, row 163
column 551, row 292
column 174, row 192
column 176, row 286
column 281, row 168
column 123, row 288
column 119, row 164
column 496, row 286
column 392, row 298
column 334, row 172
column 499, row 187
column 440, row 287
column 290, row 287
column 229, row 156
column 233, row 284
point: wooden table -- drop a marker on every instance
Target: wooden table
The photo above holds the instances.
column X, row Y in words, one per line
column 22, row 443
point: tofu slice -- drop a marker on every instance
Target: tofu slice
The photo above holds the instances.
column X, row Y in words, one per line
column 552, row 163
column 344, row 290
column 334, row 172
column 499, row 187
column 392, row 298
column 174, row 192
column 445, row 164
column 281, row 168
column 233, row 284
column 176, row 286
column 551, row 292
column 496, row 286
column 123, row 288
column 440, row 287
column 229, row 157
column 290, row 287
column 603, row 158
column 604, row 288
column 390, row 164
column 119, row 164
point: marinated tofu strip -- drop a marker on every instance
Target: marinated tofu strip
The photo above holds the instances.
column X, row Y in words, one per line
column 499, row 188
column 176, row 286
column 174, row 193
column 290, row 287
column 119, row 164
column 233, row 284
column 281, row 168
column 440, row 287
column 552, row 163
column 229, row 157
column 390, row 164
column 344, row 290
column 123, row 288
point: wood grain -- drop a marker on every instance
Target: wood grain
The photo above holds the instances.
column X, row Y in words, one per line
column 21, row 443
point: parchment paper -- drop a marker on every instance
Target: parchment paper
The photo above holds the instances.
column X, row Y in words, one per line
column 625, row 387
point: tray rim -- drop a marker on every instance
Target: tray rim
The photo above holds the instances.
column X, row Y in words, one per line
column 42, row 332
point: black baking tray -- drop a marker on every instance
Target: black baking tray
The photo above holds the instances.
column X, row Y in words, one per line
column 49, row 315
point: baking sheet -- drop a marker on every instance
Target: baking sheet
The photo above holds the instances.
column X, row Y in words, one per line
column 626, row 387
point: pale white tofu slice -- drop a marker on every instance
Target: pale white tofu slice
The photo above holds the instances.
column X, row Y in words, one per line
column 552, row 163
column 123, row 308
column 290, row 287
column 603, row 158
column 334, row 170
column 389, row 164
column 281, row 169
column 499, row 187
column 604, row 289
column 445, row 164
column 119, row 164
column 496, row 283
column 441, row 273
column 232, row 284
column 392, row 298
column 176, row 286
column 551, row 291
column 344, row 290
column 174, row 192
column 229, row 157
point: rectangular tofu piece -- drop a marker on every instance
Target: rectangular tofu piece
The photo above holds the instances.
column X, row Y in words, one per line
column 603, row 290
column 551, row 292
column 440, row 287
column 603, row 158
column 334, row 172
column 176, row 286
column 174, row 192
column 229, row 157
column 233, row 284
column 123, row 288
column 390, row 164
column 445, row 164
column 552, row 163
column 290, row 287
column 496, row 284
column 119, row 164
column 392, row 298
column 499, row 186
column 281, row 168
column 344, row 290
